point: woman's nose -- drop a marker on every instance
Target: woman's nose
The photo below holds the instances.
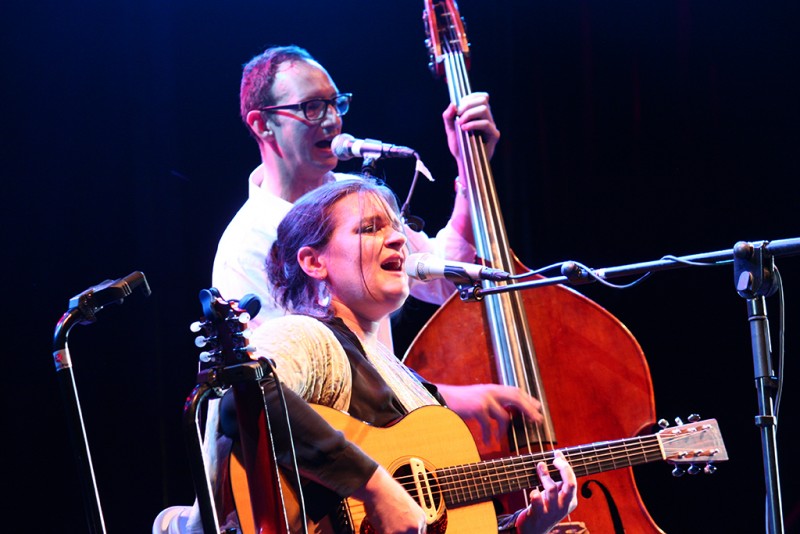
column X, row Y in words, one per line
column 397, row 239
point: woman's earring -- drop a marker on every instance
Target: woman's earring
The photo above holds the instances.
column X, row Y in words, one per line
column 323, row 296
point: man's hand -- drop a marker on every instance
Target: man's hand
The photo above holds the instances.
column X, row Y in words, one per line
column 473, row 115
column 490, row 404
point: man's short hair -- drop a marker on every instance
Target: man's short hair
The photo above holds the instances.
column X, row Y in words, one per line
column 258, row 76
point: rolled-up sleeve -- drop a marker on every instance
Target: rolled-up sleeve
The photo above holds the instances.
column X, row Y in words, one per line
column 448, row 244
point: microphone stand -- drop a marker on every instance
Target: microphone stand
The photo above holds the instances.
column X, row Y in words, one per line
column 755, row 277
column 83, row 309
column 368, row 166
column 191, row 425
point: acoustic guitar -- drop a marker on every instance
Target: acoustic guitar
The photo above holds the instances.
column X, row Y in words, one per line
column 431, row 452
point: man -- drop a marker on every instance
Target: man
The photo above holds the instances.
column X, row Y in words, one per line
column 293, row 110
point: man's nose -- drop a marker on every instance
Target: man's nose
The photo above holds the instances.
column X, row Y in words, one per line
column 332, row 117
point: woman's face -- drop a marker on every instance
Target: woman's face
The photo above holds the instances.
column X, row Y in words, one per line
column 364, row 258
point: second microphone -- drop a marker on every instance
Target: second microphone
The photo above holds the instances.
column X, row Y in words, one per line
column 426, row 267
column 346, row 147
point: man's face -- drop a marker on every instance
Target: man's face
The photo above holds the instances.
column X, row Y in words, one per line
column 304, row 147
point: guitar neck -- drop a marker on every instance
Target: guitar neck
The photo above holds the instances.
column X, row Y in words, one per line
column 465, row 484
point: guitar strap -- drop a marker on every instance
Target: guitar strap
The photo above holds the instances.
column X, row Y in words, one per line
column 405, row 385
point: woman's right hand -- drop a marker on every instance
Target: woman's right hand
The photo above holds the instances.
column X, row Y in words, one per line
column 389, row 507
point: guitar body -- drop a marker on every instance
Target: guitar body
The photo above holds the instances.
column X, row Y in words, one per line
column 430, row 452
column 433, row 434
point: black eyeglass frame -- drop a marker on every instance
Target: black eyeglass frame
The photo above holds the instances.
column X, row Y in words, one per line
column 338, row 101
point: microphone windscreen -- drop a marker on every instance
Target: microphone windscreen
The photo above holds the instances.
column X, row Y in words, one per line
column 339, row 146
column 418, row 265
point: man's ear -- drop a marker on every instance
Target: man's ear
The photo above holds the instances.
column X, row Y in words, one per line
column 257, row 124
column 312, row 263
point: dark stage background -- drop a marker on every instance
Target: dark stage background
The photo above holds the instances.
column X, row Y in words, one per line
column 630, row 130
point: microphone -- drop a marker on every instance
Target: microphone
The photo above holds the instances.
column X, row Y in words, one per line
column 345, row 147
column 426, row 267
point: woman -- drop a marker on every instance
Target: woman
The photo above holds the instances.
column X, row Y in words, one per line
column 338, row 267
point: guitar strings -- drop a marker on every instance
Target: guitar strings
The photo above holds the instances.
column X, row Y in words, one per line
column 455, row 489
column 520, row 472
column 476, row 481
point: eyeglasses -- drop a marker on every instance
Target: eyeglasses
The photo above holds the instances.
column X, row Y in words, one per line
column 316, row 109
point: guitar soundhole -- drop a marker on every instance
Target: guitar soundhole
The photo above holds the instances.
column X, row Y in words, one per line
column 404, row 476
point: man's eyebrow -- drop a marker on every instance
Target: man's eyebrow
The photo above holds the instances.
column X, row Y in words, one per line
column 314, row 95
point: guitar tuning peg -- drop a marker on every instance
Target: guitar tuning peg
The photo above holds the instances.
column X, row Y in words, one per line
column 206, row 356
column 693, row 418
column 196, row 326
column 663, row 423
column 250, row 349
column 710, row 469
column 200, row 341
column 678, row 472
column 678, row 421
column 243, row 318
column 693, row 469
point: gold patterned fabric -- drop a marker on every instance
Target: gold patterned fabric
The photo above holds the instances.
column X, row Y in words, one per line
column 308, row 359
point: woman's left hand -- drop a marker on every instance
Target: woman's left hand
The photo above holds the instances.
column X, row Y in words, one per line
column 552, row 504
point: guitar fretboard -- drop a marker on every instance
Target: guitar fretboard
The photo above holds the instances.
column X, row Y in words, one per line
column 470, row 483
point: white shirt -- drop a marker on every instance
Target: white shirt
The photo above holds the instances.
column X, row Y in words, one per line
column 240, row 263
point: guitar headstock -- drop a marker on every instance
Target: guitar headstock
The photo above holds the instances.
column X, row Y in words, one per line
column 223, row 329
column 695, row 443
column 444, row 29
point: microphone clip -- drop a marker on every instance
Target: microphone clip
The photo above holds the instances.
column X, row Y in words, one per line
column 470, row 292
column 97, row 297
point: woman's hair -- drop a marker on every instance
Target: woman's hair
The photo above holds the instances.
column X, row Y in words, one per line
column 310, row 223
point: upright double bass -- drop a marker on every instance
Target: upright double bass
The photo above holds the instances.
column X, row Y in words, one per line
column 585, row 367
